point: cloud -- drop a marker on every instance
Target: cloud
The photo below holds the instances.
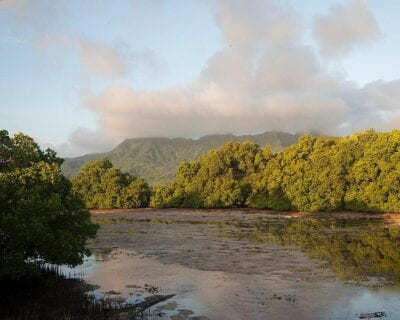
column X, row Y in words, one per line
column 264, row 78
column 345, row 27
column 382, row 95
column 83, row 140
column 102, row 60
column 39, row 16
column 248, row 23
column 43, row 24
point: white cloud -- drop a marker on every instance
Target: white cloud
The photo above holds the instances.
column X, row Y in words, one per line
column 345, row 27
column 83, row 140
column 99, row 59
column 102, row 60
column 382, row 95
column 263, row 79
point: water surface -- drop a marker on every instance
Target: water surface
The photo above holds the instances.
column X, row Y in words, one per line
column 249, row 267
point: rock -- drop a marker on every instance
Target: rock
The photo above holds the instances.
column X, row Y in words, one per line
column 112, row 292
column 372, row 315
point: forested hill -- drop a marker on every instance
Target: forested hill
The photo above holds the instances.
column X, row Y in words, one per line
column 156, row 159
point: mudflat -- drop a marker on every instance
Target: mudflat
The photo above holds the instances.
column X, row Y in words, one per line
column 250, row 264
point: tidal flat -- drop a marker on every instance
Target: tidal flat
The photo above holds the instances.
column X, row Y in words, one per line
column 249, row 264
column 245, row 264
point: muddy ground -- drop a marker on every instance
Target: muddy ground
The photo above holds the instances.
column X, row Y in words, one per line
column 192, row 238
column 216, row 276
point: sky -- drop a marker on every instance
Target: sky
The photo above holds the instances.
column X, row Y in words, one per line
column 82, row 76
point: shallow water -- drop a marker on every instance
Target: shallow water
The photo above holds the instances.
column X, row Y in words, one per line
column 222, row 295
column 264, row 268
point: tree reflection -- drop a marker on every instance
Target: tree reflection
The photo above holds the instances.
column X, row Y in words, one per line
column 350, row 248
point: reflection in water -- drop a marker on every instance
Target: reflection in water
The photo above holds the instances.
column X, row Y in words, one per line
column 350, row 249
column 353, row 249
column 49, row 296
column 222, row 295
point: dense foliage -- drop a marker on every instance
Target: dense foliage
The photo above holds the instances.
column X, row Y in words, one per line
column 360, row 172
column 221, row 178
column 156, row 159
column 103, row 186
column 41, row 218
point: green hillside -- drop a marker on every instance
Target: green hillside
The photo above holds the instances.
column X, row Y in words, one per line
column 156, row 159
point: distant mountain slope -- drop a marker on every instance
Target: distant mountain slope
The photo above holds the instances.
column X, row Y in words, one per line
column 156, row 159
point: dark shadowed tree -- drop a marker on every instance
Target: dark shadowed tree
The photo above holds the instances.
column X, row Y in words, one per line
column 41, row 217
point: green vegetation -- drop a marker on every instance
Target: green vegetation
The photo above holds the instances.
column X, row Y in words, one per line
column 350, row 248
column 156, row 159
column 103, row 186
column 221, row 178
column 41, row 217
column 360, row 172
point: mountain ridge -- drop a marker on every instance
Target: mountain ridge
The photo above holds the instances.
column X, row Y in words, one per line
column 156, row 159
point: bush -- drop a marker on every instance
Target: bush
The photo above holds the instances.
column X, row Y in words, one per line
column 104, row 187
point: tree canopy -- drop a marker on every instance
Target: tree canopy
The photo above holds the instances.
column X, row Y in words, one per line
column 41, row 217
column 360, row 172
column 103, row 186
column 156, row 159
column 220, row 178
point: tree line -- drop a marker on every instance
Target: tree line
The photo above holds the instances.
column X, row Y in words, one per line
column 360, row 172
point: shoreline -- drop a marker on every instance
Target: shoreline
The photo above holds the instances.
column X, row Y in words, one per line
column 251, row 212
